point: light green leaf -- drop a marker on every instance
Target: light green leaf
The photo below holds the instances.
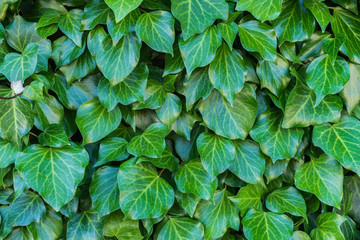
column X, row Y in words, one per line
column 116, row 62
column 170, row 111
column 156, row 29
column 53, row 172
column 166, row 160
column 84, row 226
column 48, row 23
column 228, row 31
column 351, row 91
column 227, row 72
column 49, row 227
column 34, row 91
column 192, row 178
column 286, row 199
column 196, row 15
column 44, row 32
column 151, row 143
column 104, row 190
column 16, row 118
column 8, row 153
column 95, row 12
column 267, row 225
column 249, row 162
column 288, row 50
column 199, row 50
column 187, row 201
column 125, row 26
column 332, row 45
column 217, row 153
column 112, row 149
column 180, row 228
column 320, row 12
column 70, row 24
column 122, row 8
column 323, row 177
column 299, row 235
column 143, row 194
column 217, row 217
column 262, row 10
column 230, row 121
column 54, row 136
column 20, row 66
column 295, row 22
column 154, row 96
column 341, row 141
column 116, row 226
column 325, row 77
column 328, row 227
column 275, row 141
column 95, row 121
column 258, row 37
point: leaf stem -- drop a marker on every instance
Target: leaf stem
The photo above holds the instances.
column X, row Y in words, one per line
column 161, row 171
column 33, row 134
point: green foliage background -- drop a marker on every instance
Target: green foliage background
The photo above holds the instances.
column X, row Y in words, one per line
column 180, row 119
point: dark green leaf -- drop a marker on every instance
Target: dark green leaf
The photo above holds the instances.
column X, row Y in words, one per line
column 70, row 25
column 112, row 149
column 54, row 136
column 328, row 226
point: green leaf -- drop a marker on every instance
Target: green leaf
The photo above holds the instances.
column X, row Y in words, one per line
column 53, row 172
column 324, row 77
column 227, row 72
column 267, row 225
column 48, row 112
column 192, row 178
column 70, row 24
column 196, row 15
column 351, row 91
column 320, row 12
column 154, row 96
column 181, row 228
column 299, row 235
column 116, row 62
column 344, row 135
column 295, row 22
column 20, row 66
column 313, row 46
column 249, row 162
column 143, row 194
column 287, row 199
column 54, row 136
column 228, row 31
column 170, row 111
column 48, row 18
column 288, row 50
column 122, row 8
column 249, row 197
column 173, row 64
column 34, row 91
column 44, row 53
column 95, row 12
column 258, row 37
column 275, row 141
column 166, row 160
column 16, row 118
column 217, row 153
column 8, row 153
column 352, row 184
column 104, row 190
column 95, row 121
column 49, row 227
column 116, row 226
column 323, row 177
column 125, row 26
column 65, row 51
column 112, row 149
column 20, row 233
column 184, row 124
column 187, row 201
column 230, row 121
column 328, row 226
column 346, row 24
column 199, row 50
column 156, row 29
column 217, row 217
column 351, row 5
column 262, row 10
column 151, row 143
column 85, row 225
column 332, row 45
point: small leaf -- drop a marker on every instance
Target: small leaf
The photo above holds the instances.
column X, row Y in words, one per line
column 166, row 160
column 125, row 26
column 122, row 8
column 181, row 228
column 112, row 149
column 49, row 227
column 154, row 96
column 34, row 91
column 116, row 226
column 54, row 136
column 262, row 10
column 85, row 224
column 228, row 31
column 70, row 24
column 188, row 201
column 8, row 153
column 332, row 45
column 328, row 226
column 95, row 12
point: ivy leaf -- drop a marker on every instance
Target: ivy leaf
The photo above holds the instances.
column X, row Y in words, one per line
column 227, row 72
column 332, row 45
column 112, row 149
column 116, row 226
column 352, row 184
column 127, row 25
column 219, row 216
column 267, row 225
column 20, row 66
column 325, row 77
column 116, row 62
column 217, row 153
column 287, row 199
column 228, row 31
column 173, row 64
column 275, row 141
column 156, row 29
column 8, row 153
column 351, row 91
column 104, row 190
column 200, row 50
column 53, row 172
column 70, row 24
column 187, row 201
column 95, row 12
column 193, row 178
column 34, row 91
column 48, row 112
column 323, row 177
column 140, row 184
column 154, row 96
column 299, row 235
column 167, row 160
column 181, row 228
column 49, row 227
column 170, row 111
column 320, row 12
column 95, row 121
column 122, row 8
column 258, row 37
column 230, row 121
column 313, row 46
column 184, row 124
column 328, row 226
column 54, row 136
column 344, row 135
column 44, row 53
column 85, row 224
column 196, row 15
column 262, row 10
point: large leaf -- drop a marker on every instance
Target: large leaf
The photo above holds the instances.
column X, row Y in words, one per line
column 328, row 226
column 70, row 24
column 323, row 177
column 143, row 194
column 196, row 15
column 122, row 8
column 262, row 10
column 85, row 225
column 341, row 141
column 53, row 172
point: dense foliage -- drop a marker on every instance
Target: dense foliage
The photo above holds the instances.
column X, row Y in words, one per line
column 180, row 119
